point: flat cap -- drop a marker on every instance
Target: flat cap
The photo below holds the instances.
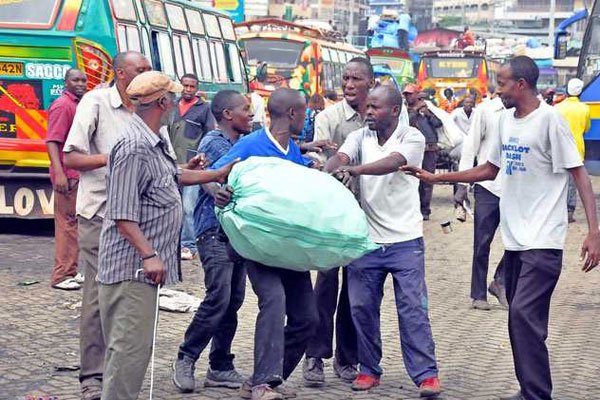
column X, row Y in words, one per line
column 150, row 86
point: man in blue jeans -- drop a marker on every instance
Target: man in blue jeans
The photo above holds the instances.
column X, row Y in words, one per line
column 391, row 202
column 224, row 271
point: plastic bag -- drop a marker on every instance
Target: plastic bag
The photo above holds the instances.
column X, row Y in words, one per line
column 289, row 216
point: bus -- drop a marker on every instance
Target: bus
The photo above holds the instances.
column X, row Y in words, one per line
column 465, row 72
column 588, row 70
column 41, row 39
column 304, row 58
column 398, row 61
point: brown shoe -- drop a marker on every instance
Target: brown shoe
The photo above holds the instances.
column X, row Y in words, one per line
column 265, row 392
column 481, row 305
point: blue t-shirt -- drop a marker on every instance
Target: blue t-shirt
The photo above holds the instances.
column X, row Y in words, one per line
column 259, row 144
column 215, row 144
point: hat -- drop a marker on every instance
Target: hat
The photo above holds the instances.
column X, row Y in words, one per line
column 150, row 86
column 574, row 87
column 411, row 88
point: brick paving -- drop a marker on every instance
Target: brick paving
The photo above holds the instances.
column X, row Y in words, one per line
column 39, row 326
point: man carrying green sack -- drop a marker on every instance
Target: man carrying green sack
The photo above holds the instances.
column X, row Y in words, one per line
column 281, row 293
column 390, row 200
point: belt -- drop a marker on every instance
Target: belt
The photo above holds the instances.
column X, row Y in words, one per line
column 209, row 234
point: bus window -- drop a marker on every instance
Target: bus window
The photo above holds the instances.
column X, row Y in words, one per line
column 32, row 14
column 129, row 38
column 276, row 53
column 188, row 61
column 156, row 13
column 178, row 56
column 234, row 62
column 227, row 28
column 123, row 9
column 146, row 42
column 217, row 55
column 176, row 17
column 195, row 21
column 202, row 60
column 212, row 25
column 140, row 11
column 164, row 59
column 451, row 67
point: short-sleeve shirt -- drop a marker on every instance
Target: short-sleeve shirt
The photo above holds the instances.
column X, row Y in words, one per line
column 335, row 123
column 60, row 119
column 141, row 187
column 391, row 202
column 214, row 145
column 261, row 143
column 100, row 120
column 533, row 154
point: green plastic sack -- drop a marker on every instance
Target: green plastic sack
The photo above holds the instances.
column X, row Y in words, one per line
column 289, row 216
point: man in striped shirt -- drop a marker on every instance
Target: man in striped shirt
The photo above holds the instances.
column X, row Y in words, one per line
column 140, row 233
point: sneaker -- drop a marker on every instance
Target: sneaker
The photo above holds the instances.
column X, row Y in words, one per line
column 460, row 213
column 79, row 278
column 183, row 374
column 481, row 305
column 430, row 387
column 92, row 392
column 67, row 284
column 228, row 379
column 425, row 217
column 517, row 396
column 287, row 393
column 365, row 382
column 186, row 254
column 312, row 372
column 499, row 292
column 346, row 373
column 265, row 392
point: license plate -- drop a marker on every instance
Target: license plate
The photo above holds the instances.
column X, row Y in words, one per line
column 11, row 69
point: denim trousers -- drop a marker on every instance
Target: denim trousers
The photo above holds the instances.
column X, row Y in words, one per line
column 405, row 261
column 189, row 197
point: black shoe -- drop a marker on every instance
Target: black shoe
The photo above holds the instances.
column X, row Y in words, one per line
column 517, row 396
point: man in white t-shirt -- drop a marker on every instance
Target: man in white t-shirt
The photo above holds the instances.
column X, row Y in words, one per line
column 535, row 153
column 390, row 199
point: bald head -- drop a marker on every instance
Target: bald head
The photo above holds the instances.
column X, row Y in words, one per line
column 282, row 100
column 129, row 64
column 383, row 108
column 388, row 94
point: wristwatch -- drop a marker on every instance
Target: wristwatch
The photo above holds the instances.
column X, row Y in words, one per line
column 154, row 254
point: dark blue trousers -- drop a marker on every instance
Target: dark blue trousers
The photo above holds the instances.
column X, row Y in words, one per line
column 405, row 261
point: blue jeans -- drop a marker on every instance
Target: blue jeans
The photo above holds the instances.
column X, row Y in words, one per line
column 405, row 261
column 189, row 197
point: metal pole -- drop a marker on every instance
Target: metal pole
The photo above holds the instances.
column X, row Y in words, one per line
column 551, row 23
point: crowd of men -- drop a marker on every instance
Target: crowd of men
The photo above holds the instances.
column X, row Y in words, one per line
column 121, row 154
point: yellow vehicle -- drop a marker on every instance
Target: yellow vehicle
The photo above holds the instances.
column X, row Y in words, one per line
column 464, row 72
column 285, row 54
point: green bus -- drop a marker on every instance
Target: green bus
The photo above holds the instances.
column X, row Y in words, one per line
column 41, row 39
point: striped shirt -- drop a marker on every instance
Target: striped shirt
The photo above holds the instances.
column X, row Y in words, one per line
column 141, row 187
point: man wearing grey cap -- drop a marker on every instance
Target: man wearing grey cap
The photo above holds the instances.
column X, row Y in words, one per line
column 140, row 234
column 577, row 115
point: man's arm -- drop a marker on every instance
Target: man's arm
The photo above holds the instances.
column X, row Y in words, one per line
column 590, row 251
column 334, row 163
column 60, row 179
column 154, row 269
column 386, row 165
column 194, row 177
column 484, row 172
column 85, row 162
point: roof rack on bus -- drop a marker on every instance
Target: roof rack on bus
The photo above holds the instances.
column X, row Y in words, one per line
column 275, row 24
column 454, row 53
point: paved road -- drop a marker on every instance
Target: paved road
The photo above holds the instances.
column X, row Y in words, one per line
column 39, row 326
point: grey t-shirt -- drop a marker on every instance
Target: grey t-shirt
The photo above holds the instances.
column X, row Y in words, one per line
column 533, row 154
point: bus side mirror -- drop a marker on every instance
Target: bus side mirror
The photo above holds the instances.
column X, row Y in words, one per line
column 560, row 45
column 261, row 72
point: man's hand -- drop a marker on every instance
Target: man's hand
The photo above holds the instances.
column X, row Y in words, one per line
column 461, row 194
column 344, row 176
column 61, row 183
column 419, row 173
column 317, row 165
column 590, row 251
column 155, row 270
column 225, row 170
column 318, row 146
column 199, row 162
column 223, row 196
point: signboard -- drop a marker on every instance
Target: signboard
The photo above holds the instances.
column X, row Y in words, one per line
column 235, row 8
column 26, row 198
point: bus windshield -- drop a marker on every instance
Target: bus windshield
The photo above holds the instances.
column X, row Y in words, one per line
column 451, row 67
column 395, row 64
column 590, row 55
column 27, row 12
column 276, row 53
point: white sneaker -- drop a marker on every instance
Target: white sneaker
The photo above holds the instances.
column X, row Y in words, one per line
column 186, row 254
column 67, row 284
column 79, row 278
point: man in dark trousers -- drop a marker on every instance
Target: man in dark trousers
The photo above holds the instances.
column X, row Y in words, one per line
column 193, row 120
column 224, row 276
column 421, row 118
column 535, row 153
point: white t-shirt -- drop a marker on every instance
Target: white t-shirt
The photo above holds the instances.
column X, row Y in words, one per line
column 533, row 154
column 391, row 202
